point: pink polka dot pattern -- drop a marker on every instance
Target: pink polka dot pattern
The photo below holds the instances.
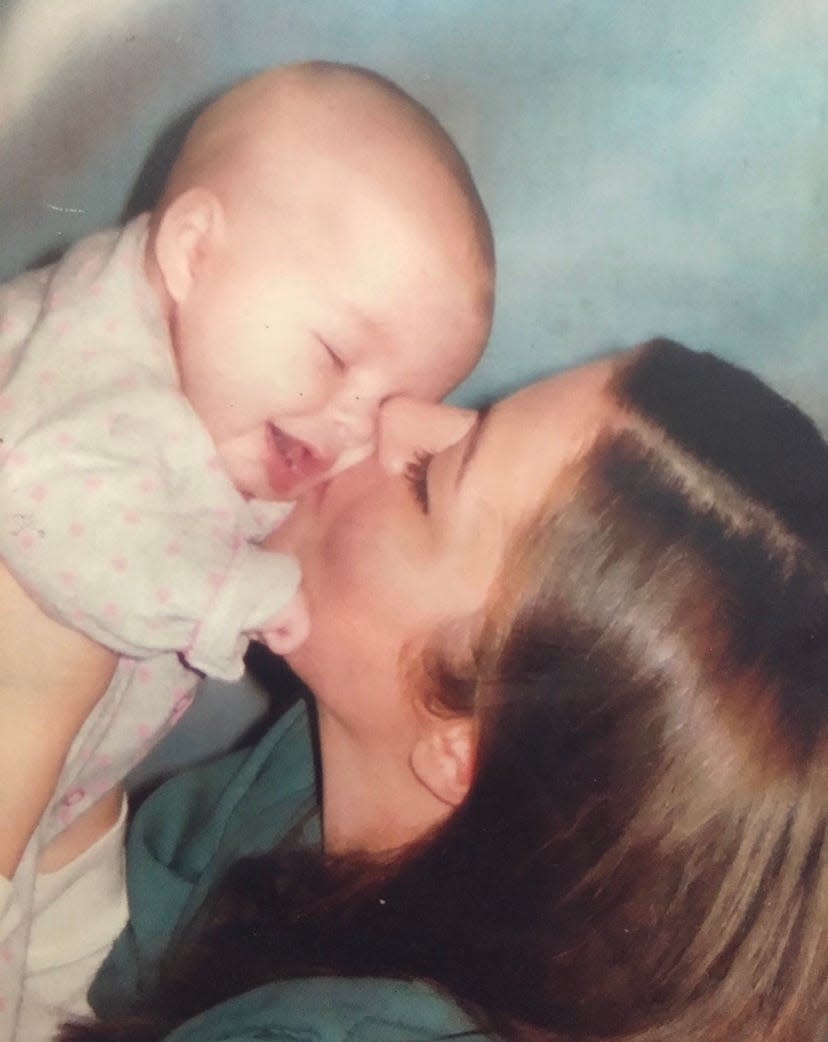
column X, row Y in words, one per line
column 99, row 787
column 127, row 471
column 17, row 458
column 144, row 674
column 73, row 797
column 126, row 512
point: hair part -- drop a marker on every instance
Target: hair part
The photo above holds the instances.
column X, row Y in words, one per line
column 666, row 680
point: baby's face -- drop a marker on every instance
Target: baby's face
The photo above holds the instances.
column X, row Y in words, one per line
column 297, row 329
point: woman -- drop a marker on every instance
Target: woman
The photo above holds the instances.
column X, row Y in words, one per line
column 570, row 674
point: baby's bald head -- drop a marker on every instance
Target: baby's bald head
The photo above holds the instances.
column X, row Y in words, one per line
column 255, row 144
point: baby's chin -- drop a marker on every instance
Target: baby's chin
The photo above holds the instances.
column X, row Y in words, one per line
column 262, row 490
column 275, row 467
column 280, row 467
column 264, row 493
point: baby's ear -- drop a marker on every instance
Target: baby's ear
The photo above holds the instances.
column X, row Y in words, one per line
column 189, row 228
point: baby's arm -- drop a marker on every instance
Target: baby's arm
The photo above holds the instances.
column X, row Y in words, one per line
column 51, row 679
column 135, row 536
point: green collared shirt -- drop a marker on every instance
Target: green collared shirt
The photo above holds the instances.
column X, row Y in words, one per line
column 183, row 839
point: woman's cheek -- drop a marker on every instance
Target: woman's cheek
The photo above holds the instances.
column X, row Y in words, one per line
column 348, row 551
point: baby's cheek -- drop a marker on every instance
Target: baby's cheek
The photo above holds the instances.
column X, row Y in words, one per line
column 303, row 382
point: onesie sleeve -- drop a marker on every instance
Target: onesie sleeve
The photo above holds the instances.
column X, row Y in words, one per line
column 9, row 911
column 116, row 516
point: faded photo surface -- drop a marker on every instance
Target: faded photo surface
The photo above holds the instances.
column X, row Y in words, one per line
column 650, row 169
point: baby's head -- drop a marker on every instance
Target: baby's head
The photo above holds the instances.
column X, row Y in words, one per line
column 319, row 247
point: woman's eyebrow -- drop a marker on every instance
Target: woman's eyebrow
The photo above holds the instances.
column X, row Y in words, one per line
column 473, row 441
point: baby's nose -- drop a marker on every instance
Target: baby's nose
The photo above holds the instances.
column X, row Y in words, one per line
column 353, row 439
column 356, row 423
column 407, row 426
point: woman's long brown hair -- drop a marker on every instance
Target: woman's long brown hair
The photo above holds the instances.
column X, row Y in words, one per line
column 643, row 852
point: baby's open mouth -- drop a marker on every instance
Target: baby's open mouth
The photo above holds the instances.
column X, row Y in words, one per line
column 291, row 464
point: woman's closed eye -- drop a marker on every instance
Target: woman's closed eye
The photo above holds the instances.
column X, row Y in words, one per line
column 416, row 474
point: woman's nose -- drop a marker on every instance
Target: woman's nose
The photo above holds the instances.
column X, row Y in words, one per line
column 408, row 426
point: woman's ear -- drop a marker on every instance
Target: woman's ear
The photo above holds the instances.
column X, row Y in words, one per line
column 443, row 758
column 190, row 227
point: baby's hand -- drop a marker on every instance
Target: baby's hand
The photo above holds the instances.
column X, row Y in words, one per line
column 285, row 631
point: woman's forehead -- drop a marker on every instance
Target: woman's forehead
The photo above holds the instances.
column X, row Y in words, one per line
column 567, row 403
column 524, row 448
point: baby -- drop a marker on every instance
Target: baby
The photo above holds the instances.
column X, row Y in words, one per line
column 167, row 389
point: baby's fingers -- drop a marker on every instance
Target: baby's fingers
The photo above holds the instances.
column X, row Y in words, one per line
column 285, row 632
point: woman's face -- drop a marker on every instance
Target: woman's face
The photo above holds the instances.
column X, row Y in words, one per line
column 391, row 560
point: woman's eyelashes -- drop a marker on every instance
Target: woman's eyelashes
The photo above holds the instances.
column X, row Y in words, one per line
column 416, row 474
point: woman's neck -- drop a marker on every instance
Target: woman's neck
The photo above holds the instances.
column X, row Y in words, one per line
column 371, row 799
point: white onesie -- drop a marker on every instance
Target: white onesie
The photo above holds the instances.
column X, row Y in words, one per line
column 118, row 519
